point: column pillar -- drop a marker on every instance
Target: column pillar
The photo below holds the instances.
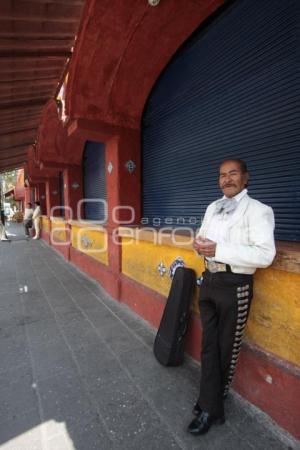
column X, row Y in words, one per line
column 52, row 196
column 73, row 190
column 41, row 196
column 29, row 195
column 123, row 182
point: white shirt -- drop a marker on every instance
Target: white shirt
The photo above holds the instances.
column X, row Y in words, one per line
column 218, row 227
column 28, row 213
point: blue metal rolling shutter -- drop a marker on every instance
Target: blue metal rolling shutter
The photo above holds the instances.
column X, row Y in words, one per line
column 231, row 91
column 94, row 179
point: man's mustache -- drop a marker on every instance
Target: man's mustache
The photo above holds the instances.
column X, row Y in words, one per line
column 228, row 185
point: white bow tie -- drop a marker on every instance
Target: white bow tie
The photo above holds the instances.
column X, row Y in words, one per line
column 226, row 205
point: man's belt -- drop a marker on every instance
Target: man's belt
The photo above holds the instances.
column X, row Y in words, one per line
column 215, row 266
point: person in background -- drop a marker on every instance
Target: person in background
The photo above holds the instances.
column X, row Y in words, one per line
column 36, row 217
column 3, row 236
column 235, row 238
column 3, row 217
column 27, row 221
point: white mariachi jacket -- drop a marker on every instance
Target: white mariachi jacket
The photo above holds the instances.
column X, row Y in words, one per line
column 249, row 243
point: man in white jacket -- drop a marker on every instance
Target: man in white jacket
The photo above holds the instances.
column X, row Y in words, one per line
column 36, row 217
column 27, row 221
column 236, row 237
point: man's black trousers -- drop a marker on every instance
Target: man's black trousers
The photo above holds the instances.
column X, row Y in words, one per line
column 224, row 302
column 27, row 225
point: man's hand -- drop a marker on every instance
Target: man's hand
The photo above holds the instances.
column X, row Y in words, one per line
column 205, row 247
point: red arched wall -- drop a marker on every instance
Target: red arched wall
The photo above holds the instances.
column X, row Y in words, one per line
column 121, row 49
column 33, row 170
column 52, row 134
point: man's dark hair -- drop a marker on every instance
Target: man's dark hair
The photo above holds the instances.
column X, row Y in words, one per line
column 242, row 164
column 29, row 204
column 37, row 203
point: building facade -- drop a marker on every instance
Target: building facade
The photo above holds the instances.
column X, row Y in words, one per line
column 155, row 99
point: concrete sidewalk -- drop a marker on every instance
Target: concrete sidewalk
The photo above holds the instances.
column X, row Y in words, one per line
column 77, row 369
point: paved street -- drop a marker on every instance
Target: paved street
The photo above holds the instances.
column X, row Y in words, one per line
column 78, row 372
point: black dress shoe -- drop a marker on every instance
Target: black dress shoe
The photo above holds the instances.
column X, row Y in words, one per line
column 197, row 410
column 202, row 423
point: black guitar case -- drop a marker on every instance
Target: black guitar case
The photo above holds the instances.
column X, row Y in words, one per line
column 170, row 339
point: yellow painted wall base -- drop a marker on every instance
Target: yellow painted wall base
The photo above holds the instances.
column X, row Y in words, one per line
column 59, row 230
column 274, row 322
column 45, row 224
column 92, row 242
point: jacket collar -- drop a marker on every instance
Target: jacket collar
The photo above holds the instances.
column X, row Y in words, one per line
column 240, row 211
